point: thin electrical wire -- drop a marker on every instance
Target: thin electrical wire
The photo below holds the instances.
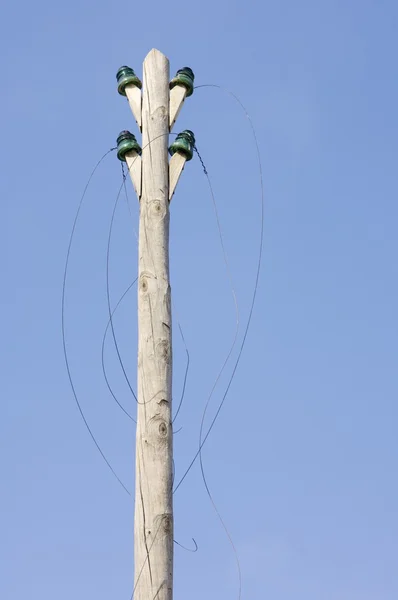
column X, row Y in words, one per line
column 63, row 324
column 128, row 202
column 188, row 549
column 257, row 277
column 126, row 195
column 110, row 319
column 238, row 566
column 228, row 269
column 184, row 385
column 227, row 532
column 103, row 353
column 108, row 292
column 202, row 441
column 146, row 560
column 236, row 332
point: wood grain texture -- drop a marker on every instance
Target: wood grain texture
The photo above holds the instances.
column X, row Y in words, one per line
column 153, row 527
column 176, row 167
column 134, row 98
column 177, row 98
column 134, row 165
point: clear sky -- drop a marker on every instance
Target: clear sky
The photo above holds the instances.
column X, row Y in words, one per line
column 303, row 460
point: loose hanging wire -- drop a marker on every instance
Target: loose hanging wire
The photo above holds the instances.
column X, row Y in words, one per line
column 103, row 352
column 110, row 319
column 229, row 274
column 260, row 253
column 202, row 439
column 127, row 198
column 257, row 277
column 108, row 293
column 63, row 324
column 227, row 532
column 184, row 385
column 109, row 309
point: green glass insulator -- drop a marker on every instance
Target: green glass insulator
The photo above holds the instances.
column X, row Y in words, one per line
column 184, row 77
column 126, row 76
column 184, row 144
column 125, row 143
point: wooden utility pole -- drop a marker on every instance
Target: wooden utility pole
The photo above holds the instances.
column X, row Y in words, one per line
column 151, row 173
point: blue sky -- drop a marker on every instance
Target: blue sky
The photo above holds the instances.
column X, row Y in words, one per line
column 303, row 460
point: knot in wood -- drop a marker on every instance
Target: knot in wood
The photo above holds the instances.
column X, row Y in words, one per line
column 159, row 431
column 163, row 350
column 163, row 429
column 160, row 114
column 167, row 522
column 144, row 285
column 157, row 208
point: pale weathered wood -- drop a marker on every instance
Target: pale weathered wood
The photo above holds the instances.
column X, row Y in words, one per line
column 134, row 165
column 177, row 97
column 134, row 97
column 153, row 527
column 177, row 163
